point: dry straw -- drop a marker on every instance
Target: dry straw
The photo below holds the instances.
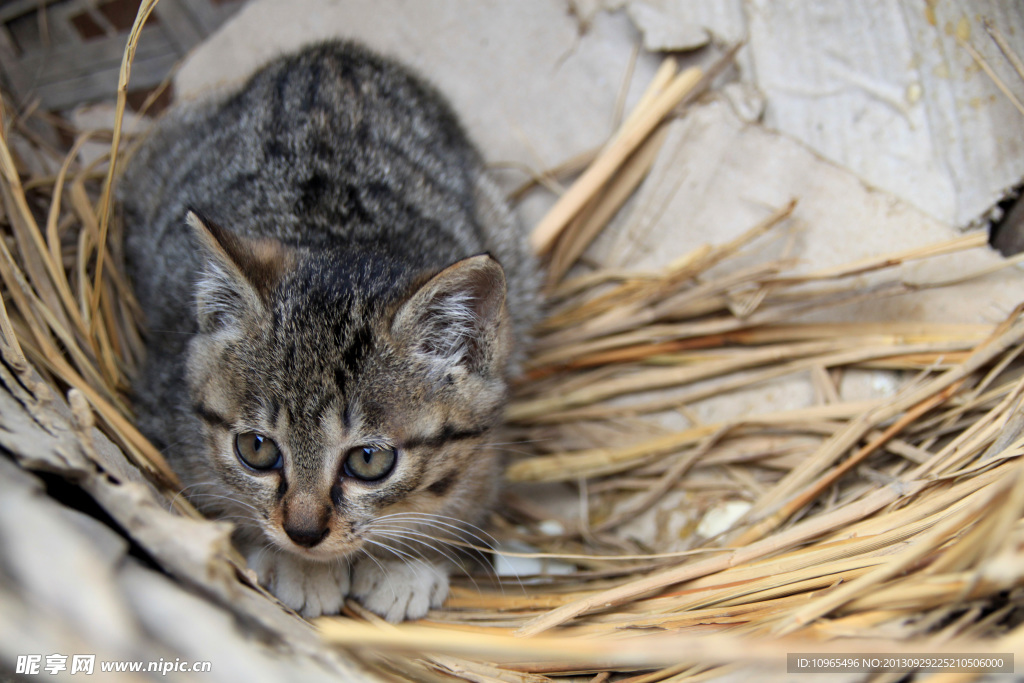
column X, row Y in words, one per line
column 890, row 524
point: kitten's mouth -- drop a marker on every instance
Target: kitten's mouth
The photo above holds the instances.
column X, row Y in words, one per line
column 330, row 548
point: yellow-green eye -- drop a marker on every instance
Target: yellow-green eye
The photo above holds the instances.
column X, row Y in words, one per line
column 257, row 451
column 370, row 463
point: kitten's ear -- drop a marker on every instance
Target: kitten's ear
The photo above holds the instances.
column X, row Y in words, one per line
column 238, row 273
column 458, row 318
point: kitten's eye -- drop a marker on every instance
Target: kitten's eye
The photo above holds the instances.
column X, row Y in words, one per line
column 257, row 451
column 370, row 463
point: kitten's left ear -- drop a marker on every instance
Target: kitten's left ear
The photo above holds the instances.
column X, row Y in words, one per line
column 459, row 318
column 239, row 273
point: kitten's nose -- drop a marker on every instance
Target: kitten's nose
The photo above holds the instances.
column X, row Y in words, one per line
column 306, row 520
column 306, row 535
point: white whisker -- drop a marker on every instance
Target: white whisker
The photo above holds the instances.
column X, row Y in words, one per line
column 401, row 537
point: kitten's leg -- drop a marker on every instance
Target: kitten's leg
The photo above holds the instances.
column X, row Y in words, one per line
column 397, row 589
column 309, row 588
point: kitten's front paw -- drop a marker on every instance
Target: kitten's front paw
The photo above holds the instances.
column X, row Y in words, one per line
column 309, row 588
column 399, row 590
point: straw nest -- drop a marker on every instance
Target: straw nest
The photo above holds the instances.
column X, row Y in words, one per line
column 892, row 524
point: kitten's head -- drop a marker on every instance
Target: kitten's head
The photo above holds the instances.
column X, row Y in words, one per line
column 330, row 400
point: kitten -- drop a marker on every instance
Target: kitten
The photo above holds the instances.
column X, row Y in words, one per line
column 335, row 295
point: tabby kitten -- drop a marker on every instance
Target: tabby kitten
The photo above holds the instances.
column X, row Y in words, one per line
column 335, row 294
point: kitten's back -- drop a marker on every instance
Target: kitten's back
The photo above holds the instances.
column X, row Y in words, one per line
column 334, row 143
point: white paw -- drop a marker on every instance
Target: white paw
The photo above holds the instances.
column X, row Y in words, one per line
column 309, row 588
column 399, row 590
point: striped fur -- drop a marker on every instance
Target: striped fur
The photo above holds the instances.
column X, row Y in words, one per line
column 323, row 261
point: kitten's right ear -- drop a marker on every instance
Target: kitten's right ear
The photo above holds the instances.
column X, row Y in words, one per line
column 238, row 274
column 458, row 318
